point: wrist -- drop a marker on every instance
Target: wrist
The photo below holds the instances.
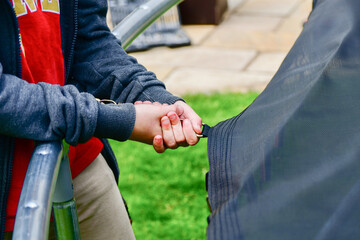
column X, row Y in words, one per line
column 115, row 121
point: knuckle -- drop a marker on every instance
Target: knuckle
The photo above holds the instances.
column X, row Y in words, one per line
column 165, row 124
column 180, row 139
column 171, row 144
column 192, row 141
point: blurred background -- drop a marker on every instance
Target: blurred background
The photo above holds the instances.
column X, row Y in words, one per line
column 218, row 55
column 236, row 45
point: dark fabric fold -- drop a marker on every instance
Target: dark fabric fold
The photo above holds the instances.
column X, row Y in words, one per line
column 288, row 167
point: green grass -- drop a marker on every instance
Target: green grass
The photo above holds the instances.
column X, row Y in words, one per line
column 166, row 192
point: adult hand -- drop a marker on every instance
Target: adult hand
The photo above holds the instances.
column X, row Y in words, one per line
column 192, row 123
column 148, row 121
column 178, row 128
column 191, row 115
column 169, row 135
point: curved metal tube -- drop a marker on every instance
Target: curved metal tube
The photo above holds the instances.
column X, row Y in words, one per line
column 137, row 21
column 33, row 214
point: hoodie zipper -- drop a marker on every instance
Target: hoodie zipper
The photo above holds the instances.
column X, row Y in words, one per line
column 73, row 41
column 9, row 157
column 17, row 32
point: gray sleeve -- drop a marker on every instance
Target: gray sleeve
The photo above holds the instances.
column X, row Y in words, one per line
column 46, row 112
column 102, row 68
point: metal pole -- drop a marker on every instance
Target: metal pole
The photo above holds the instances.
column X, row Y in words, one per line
column 64, row 207
column 137, row 21
column 34, row 208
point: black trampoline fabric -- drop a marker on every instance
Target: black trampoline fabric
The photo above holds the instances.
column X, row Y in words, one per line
column 288, row 167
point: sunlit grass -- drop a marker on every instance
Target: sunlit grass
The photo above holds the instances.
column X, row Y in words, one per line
column 166, row 192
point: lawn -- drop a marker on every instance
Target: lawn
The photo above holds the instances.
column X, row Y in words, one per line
column 166, row 192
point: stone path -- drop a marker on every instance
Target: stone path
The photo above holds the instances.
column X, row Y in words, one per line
column 241, row 54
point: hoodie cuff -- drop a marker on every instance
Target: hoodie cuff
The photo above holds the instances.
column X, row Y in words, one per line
column 115, row 121
column 159, row 95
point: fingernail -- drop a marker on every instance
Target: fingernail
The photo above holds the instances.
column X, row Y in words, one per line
column 172, row 117
column 165, row 120
column 158, row 139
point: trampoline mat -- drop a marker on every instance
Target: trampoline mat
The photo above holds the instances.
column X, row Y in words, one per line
column 288, row 167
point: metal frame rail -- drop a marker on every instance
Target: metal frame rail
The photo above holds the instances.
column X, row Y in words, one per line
column 142, row 17
column 48, row 182
column 34, row 208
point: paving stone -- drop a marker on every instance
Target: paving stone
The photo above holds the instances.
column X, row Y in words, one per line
column 292, row 26
column 251, row 32
column 245, row 23
column 160, row 71
column 197, row 33
column 260, row 41
column 199, row 80
column 279, row 8
column 303, row 9
column 256, row 35
column 267, row 62
column 197, row 56
column 232, row 4
column 294, row 23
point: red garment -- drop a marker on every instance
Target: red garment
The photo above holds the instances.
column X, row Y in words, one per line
column 42, row 61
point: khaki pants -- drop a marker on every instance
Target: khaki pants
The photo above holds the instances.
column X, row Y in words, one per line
column 101, row 211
